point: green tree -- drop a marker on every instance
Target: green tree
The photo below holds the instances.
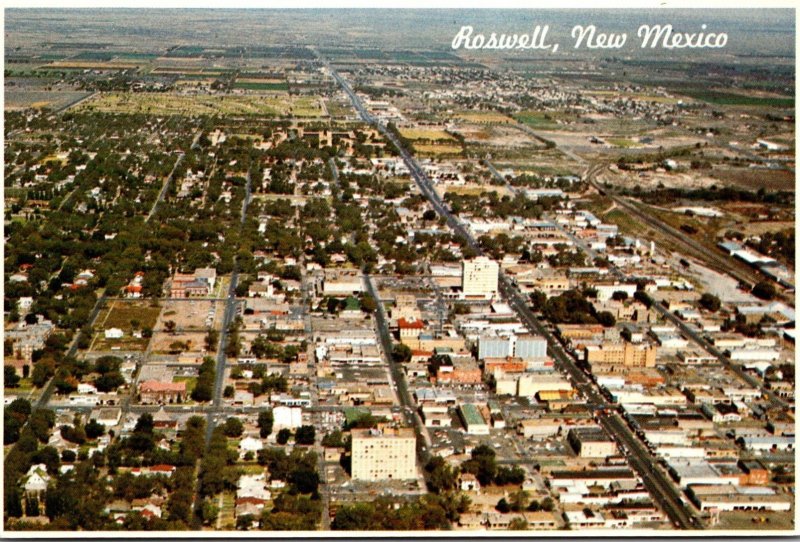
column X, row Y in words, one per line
column 710, row 302
column 305, row 435
column 283, row 436
column 265, row 421
column 233, row 427
column 764, row 290
column 401, row 353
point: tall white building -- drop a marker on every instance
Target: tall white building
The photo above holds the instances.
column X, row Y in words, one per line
column 384, row 455
column 479, row 277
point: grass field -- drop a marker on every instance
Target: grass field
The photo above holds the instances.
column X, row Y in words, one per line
column 256, row 85
column 622, row 142
column 483, row 117
column 227, row 509
column 429, row 134
column 537, row 119
column 91, row 65
column 128, row 342
column 438, row 150
column 211, row 104
column 729, row 98
column 121, row 314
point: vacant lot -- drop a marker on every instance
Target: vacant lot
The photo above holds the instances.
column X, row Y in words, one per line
column 429, row 134
column 194, row 341
column 128, row 315
column 191, row 314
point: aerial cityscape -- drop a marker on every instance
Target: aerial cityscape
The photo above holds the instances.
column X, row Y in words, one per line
column 323, row 270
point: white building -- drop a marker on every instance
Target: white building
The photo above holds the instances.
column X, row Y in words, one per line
column 479, row 277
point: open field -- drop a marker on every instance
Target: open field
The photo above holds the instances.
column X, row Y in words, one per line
column 542, row 120
column 730, row 98
column 194, row 340
column 192, row 314
column 438, row 150
column 40, row 99
column 256, row 84
column 211, row 104
column 91, row 65
column 124, row 314
column 497, row 137
column 429, row 134
column 483, row 117
column 127, row 342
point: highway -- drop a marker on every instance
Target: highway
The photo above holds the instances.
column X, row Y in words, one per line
column 659, row 487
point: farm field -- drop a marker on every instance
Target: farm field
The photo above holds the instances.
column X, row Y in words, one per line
column 427, row 134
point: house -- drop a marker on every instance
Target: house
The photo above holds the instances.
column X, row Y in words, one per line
column 133, row 289
column 114, row 333
column 469, row 482
column 250, row 444
column 251, row 506
column 254, row 486
column 108, row 417
column 37, row 480
column 155, row 470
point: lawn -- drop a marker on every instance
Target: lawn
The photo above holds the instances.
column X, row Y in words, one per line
column 191, row 382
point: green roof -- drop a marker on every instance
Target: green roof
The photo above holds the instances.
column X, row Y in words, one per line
column 472, row 415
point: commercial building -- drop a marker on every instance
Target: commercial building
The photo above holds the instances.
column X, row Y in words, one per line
column 591, row 442
column 473, row 419
column 530, row 347
column 383, row 455
column 627, row 354
column 479, row 277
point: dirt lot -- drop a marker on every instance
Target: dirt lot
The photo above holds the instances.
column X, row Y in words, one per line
column 195, row 341
column 753, row 179
column 191, row 315
column 496, row 136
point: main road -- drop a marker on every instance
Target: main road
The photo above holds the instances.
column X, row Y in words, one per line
column 662, row 491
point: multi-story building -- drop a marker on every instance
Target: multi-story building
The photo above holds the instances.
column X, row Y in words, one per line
column 627, row 354
column 383, row 455
column 479, row 277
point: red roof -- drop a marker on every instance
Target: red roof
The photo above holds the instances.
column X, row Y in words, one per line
column 162, row 468
column 402, row 323
column 156, row 385
column 425, row 353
